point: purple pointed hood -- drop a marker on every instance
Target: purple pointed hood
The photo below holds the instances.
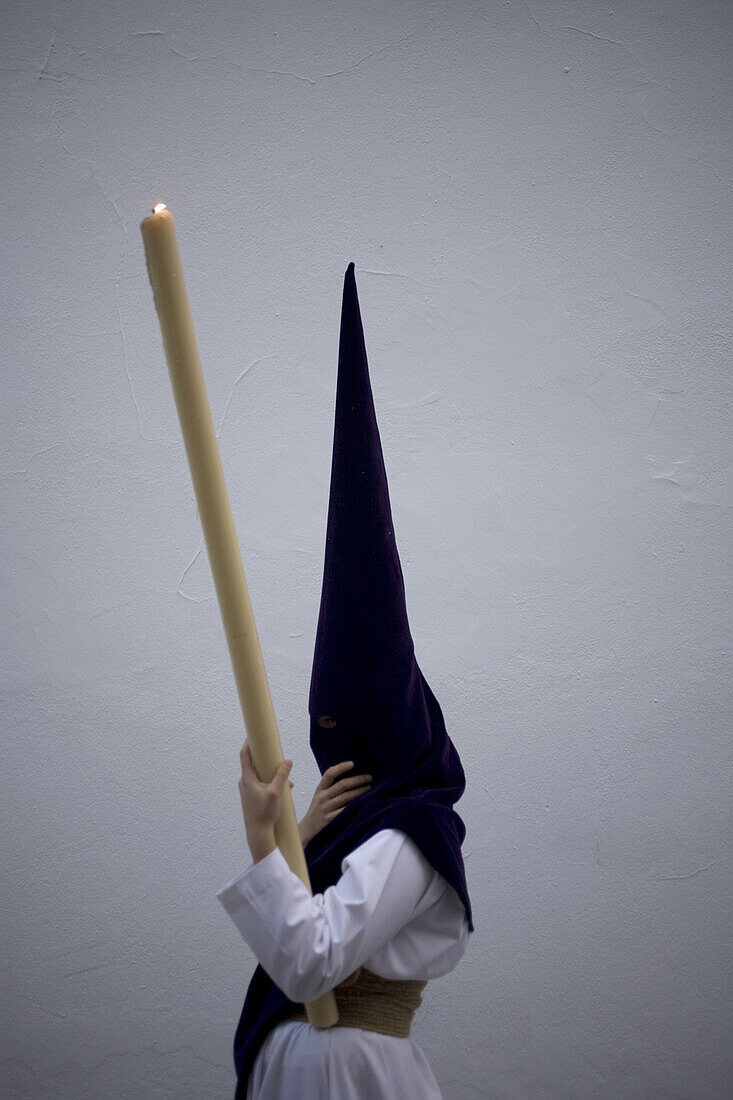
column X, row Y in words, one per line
column 369, row 701
column 366, row 699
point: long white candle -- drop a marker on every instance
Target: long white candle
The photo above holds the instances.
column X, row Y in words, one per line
column 179, row 341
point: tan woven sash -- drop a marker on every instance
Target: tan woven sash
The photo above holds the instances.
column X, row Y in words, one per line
column 376, row 1004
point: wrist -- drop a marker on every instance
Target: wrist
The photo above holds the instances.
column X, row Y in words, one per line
column 261, row 841
column 305, row 832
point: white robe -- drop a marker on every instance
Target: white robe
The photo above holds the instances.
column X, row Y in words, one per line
column 391, row 912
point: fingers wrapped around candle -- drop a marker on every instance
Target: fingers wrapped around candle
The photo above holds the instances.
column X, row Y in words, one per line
column 261, row 802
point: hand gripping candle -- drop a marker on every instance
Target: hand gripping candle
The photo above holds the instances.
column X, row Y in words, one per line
column 179, row 341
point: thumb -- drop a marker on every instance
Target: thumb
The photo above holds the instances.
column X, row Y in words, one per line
column 281, row 775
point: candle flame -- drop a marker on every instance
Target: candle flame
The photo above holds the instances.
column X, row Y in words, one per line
column 158, row 207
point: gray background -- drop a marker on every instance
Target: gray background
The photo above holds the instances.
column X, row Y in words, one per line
column 537, row 200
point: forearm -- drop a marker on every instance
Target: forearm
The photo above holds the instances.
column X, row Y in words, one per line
column 261, row 841
column 306, row 832
column 288, row 930
column 309, row 944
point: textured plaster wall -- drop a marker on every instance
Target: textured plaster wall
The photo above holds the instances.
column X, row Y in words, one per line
column 537, row 199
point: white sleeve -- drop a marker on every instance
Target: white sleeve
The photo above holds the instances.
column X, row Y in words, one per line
column 308, row 944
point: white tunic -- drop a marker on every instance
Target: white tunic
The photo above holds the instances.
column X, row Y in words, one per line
column 391, row 912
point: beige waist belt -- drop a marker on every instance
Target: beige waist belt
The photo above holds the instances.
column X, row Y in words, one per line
column 376, row 1004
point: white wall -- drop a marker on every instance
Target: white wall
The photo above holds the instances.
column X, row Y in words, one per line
column 537, row 200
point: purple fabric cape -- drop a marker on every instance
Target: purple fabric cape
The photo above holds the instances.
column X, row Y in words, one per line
column 369, row 701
